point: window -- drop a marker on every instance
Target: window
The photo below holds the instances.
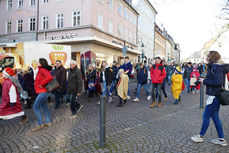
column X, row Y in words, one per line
column 134, row 20
column 120, row 30
column 45, row 23
column 110, row 4
column 32, row 24
column 110, row 26
column 45, row 1
column 100, row 21
column 130, row 36
column 76, row 18
column 100, row 1
column 32, row 2
column 60, row 20
column 8, row 27
column 19, row 25
column 130, row 17
column 125, row 13
column 125, row 34
column 20, row 3
column 120, row 9
column 9, row 5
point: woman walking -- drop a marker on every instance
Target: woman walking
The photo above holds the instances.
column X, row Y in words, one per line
column 214, row 81
column 40, row 105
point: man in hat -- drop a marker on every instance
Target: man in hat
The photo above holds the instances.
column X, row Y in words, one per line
column 10, row 106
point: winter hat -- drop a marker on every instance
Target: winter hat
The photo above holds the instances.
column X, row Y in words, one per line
column 9, row 71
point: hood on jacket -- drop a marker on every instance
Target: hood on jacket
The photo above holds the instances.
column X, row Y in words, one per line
column 161, row 64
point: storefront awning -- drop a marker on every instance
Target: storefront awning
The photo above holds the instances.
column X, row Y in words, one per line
column 92, row 39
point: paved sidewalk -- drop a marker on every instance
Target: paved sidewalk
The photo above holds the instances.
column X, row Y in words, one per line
column 132, row 128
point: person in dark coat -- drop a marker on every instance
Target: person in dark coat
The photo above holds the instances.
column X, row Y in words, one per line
column 74, row 88
column 214, row 82
column 91, row 78
column 28, row 85
column 142, row 81
column 115, row 69
column 60, row 74
column 187, row 75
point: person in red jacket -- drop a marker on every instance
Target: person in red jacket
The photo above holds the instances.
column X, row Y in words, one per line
column 40, row 105
column 158, row 74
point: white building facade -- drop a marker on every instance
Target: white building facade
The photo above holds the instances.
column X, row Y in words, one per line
column 146, row 22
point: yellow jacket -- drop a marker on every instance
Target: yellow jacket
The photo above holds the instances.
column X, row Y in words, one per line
column 176, row 88
column 122, row 87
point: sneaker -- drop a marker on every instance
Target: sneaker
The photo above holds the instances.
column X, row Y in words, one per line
column 149, row 97
column 218, row 141
column 81, row 106
column 48, row 124
column 110, row 100
column 98, row 103
column 22, row 122
column 128, row 97
column 73, row 116
column 38, row 128
column 136, row 100
column 110, row 94
column 166, row 99
column 175, row 103
column 197, row 138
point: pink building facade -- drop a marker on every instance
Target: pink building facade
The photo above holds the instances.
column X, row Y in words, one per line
column 96, row 26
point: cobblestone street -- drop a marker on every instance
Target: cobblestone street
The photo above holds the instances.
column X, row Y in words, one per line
column 132, row 128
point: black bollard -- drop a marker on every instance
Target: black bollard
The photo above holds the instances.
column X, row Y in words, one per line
column 102, row 122
column 202, row 96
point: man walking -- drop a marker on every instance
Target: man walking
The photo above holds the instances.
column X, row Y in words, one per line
column 187, row 73
column 60, row 74
column 158, row 74
column 74, row 88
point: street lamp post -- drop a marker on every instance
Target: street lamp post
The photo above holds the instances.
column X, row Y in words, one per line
column 143, row 55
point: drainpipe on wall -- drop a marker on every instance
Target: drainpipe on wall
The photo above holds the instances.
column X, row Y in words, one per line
column 38, row 11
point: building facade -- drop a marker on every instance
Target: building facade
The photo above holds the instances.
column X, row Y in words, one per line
column 160, row 43
column 146, row 22
column 96, row 29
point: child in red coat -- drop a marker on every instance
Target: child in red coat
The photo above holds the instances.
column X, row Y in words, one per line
column 195, row 74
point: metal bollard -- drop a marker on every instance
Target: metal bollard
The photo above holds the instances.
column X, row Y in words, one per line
column 102, row 122
column 202, row 96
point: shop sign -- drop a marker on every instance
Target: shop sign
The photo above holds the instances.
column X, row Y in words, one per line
column 121, row 44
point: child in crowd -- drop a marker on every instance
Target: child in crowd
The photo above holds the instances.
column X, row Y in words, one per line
column 177, row 80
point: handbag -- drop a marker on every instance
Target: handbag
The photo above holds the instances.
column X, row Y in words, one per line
column 91, row 85
column 192, row 81
column 52, row 85
column 223, row 95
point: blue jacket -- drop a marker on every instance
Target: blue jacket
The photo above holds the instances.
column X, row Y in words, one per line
column 142, row 75
column 127, row 66
column 215, row 79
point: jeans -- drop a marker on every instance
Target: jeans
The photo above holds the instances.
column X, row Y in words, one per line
column 105, row 90
column 187, row 83
column 163, row 90
column 169, row 78
column 212, row 111
column 139, row 89
column 74, row 105
column 113, row 86
column 58, row 96
column 39, row 105
column 156, row 86
column 149, row 84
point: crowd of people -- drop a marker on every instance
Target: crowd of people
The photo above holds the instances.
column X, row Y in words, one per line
column 29, row 86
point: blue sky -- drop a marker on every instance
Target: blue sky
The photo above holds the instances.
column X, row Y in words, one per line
column 190, row 22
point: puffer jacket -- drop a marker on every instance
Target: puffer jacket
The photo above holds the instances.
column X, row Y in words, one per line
column 158, row 75
column 43, row 78
column 74, row 81
column 215, row 79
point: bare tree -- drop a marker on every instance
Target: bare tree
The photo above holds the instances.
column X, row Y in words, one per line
column 225, row 10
